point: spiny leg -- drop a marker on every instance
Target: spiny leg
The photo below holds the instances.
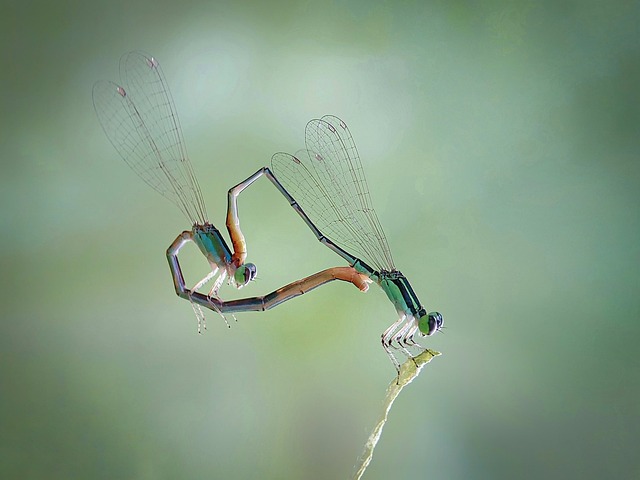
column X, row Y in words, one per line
column 213, row 294
column 393, row 358
column 386, row 338
column 197, row 309
column 202, row 323
column 408, row 340
column 217, row 284
column 205, row 280
column 404, row 339
column 400, row 337
column 388, row 333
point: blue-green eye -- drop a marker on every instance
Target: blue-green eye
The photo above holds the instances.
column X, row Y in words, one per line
column 430, row 323
column 245, row 273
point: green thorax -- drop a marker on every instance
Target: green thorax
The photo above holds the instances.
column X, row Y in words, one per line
column 211, row 244
column 399, row 291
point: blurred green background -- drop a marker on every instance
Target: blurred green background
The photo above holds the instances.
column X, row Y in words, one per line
column 501, row 142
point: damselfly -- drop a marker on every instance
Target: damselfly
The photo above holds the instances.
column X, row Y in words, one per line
column 332, row 197
column 139, row 118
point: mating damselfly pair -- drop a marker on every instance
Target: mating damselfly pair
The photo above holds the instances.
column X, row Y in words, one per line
column 324, row 184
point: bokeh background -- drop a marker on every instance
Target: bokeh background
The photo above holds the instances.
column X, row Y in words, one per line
column 501, row 142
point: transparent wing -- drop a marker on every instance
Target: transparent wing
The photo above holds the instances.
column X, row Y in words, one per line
column 140, row 119
column 328, row 182
column 376, row 233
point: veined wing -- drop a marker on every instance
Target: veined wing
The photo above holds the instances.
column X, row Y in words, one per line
column 140, row 119
column 328, row 182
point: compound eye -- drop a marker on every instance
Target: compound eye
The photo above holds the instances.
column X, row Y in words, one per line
column 250, row 272
column 435, row 322
column 244, row 274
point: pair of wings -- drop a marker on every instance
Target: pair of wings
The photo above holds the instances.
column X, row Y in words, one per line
column 328, row 182
column 327, row 179
column 140, row 119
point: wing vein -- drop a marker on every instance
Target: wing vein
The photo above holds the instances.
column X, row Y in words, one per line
column 140, row 120
column 327, row 180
